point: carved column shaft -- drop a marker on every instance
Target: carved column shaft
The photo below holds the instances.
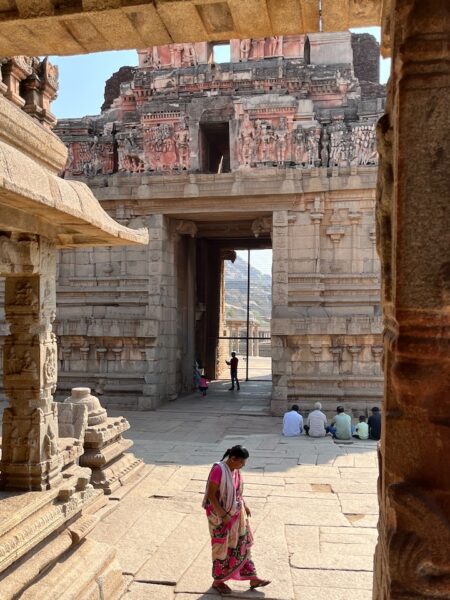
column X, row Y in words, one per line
column 30, row 458
column 413, row 553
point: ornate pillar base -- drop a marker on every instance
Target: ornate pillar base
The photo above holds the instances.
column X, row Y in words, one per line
column 104, row 447
column 24, row 435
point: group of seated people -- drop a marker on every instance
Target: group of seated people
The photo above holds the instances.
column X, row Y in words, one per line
column 340, row 427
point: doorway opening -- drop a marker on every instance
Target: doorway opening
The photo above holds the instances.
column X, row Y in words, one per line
column 246, row 315
column 215, row 147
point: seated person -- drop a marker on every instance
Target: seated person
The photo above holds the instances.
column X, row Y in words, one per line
column 362, row 429
column 341, row 425
column 375, row 424
column 316, row 423
column 292, row 422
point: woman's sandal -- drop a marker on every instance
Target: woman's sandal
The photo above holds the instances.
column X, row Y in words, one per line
column 259, row 583
column 222, row 588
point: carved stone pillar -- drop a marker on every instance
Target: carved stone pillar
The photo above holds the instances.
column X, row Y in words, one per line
column 355, row 218
column 30, row 458
column 337, row 355
column 413, row 552
column 316, row 218
column 355, row 352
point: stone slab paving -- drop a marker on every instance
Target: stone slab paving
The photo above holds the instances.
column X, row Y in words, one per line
column 314, row 504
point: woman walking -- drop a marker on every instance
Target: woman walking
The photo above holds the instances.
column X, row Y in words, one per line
column 227, row 513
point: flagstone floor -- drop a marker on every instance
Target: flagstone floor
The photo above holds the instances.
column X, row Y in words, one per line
column 314, row 503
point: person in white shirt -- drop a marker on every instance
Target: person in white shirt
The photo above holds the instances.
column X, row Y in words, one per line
column 316, row 423
column 292, row 422
column 362, row 429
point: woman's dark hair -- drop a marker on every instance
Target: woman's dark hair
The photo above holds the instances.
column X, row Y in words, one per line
column 236, row 452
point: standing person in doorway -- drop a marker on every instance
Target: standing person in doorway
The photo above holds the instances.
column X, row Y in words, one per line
column 233, row 364
column 227, row 514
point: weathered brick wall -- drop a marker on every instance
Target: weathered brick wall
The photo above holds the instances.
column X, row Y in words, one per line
column 366, row 57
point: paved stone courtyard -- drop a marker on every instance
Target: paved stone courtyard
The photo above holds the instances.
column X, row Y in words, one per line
column 314, row 503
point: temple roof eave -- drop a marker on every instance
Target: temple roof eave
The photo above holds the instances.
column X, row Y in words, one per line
column 34, row 199
column 65, row 211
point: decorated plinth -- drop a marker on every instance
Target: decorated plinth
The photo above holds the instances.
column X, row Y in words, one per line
column 105, row 450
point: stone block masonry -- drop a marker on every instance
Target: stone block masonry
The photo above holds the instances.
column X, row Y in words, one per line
column 277, row 146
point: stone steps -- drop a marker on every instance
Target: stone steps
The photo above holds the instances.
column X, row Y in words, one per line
column 90, row 572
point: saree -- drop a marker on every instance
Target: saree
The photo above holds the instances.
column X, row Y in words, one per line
column 230, row 542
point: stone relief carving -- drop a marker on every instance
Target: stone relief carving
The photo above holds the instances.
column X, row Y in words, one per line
column 130, row 153
column 50, row 443
column 16, row 256
column 29, row 366
column 244, row 48
column 166, row 142
column 262, row 225
column 277, row 133
column 186, row 228
column 50, row 366
column 25, row 295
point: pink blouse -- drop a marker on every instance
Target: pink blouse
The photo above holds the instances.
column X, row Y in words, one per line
column 215, row 476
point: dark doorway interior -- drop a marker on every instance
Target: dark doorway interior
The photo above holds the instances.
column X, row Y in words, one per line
column 215, row 144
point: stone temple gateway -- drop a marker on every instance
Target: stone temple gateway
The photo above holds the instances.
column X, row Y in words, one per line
column 274, row 149
column 412, row 557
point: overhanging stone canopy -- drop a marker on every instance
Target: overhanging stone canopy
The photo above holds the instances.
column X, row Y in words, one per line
column 77, row 27
column 34, row 199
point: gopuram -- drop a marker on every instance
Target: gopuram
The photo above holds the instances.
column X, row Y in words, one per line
column 58, row 460
column 274, row 149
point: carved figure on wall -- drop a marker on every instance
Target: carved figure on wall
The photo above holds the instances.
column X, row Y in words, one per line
column 182, row 140
column 189, row 56
column 13, row 364
column 299, row 143
column 16, row 445
column 312, row 146
column 28, row 365
column 129, row 154
column 160, row 142
column 32, row 451
column 152, row 59
column 259, row 140
column 50, row 365
column 257, row 47
column 363, row 142
column 281, row 140
column 324, row 152
column 246, row 138
column 106, row 154
column 25, row 295
column 244, row 49
column 337, row 132
column 276, row 45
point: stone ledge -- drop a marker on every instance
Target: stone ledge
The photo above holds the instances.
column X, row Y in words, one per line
column 76, row 216
column 24, row 133
column 29, row 518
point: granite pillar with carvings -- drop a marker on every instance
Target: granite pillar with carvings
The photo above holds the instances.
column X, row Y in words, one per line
column 413, row 553
column 30, row 458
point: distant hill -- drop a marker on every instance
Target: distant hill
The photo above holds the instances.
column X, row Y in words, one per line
column 236, row 292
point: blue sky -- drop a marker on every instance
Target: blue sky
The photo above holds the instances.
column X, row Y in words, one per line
column 82, row 78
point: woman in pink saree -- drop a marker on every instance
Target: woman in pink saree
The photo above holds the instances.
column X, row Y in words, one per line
column 227, row 513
